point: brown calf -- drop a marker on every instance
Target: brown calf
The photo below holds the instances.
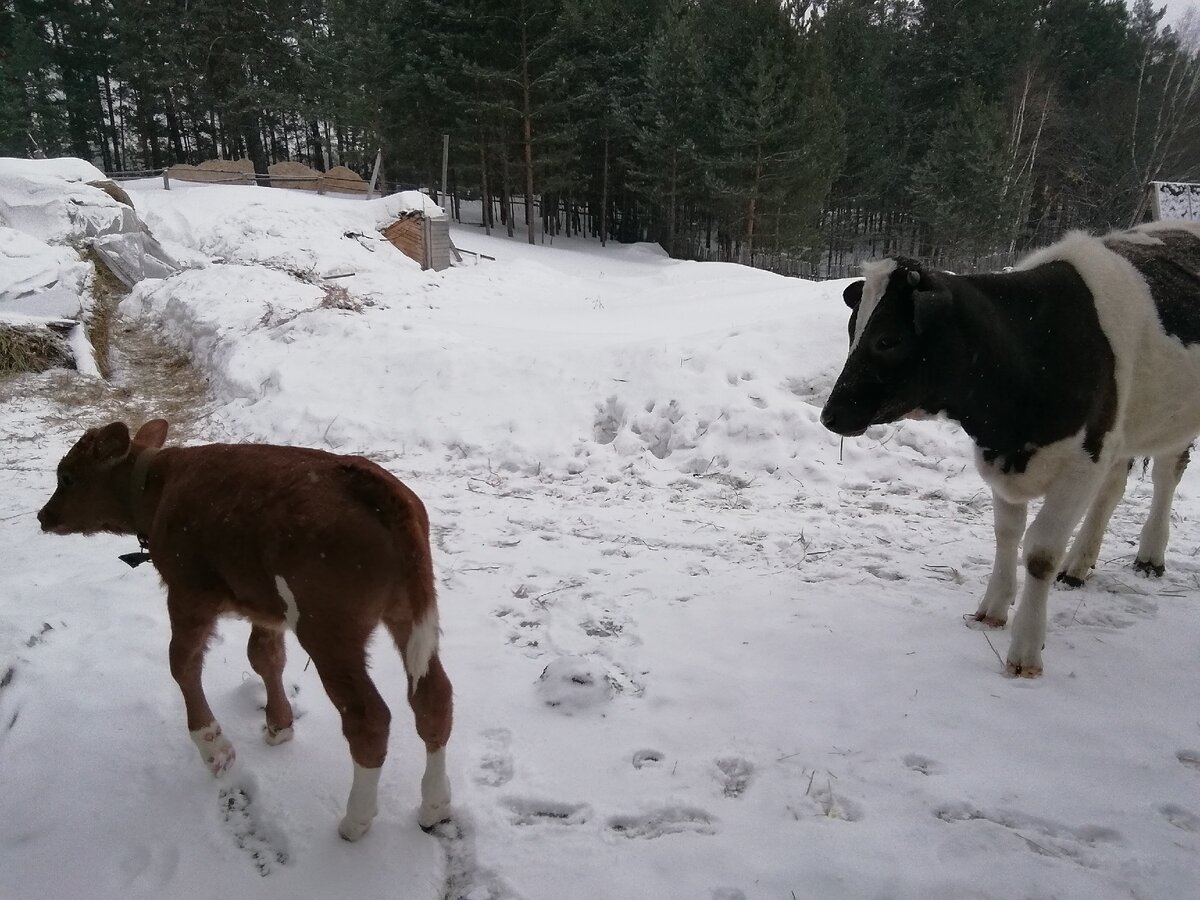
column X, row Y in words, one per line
column 327, row 545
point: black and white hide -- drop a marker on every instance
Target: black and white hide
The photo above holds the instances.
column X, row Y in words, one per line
column 1086, row 355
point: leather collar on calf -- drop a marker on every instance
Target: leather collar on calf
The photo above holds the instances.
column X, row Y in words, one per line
column 141, row 468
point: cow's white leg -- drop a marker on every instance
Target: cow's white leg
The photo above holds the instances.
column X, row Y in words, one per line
column 1152, row 549
column 362, row 805
column 1009, row 521
column 1086, row 549
column 435, row 791
column 1045, row 544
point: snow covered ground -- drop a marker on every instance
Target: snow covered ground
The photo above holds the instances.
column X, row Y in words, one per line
column 700, row 649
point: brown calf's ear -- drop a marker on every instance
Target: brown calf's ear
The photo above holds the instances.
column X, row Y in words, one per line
column 914, row 277
column 152, row 434
column 111, row 442
column 852, row 295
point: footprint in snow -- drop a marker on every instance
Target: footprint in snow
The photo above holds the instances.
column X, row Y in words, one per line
column 528, row 811
column 495, row 758
column 1040, row 836
column 734, row 775
column 575, row 683
column 1190, row 758
column 922, row 764
column 235, row 807
column 1181, row 818
column 644, row 758
column 660, row 822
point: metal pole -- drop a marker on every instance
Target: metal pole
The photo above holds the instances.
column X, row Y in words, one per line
column 445, row 163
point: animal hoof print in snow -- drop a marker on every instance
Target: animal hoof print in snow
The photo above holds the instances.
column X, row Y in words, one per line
column 1023, row 670
column 1149, row 569
column 1070, row 580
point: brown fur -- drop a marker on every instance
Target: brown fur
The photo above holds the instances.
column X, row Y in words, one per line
column 223, row 522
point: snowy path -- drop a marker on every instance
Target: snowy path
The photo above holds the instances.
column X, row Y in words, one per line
column 699, row 649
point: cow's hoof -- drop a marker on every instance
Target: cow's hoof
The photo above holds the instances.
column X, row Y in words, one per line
column 1148, row 568
column 982, row 620
column 352, row 830
column 429, row 819
column 277, row 736
column 1070, row 580
column 1023, row 670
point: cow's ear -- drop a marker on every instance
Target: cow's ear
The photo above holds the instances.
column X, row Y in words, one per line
column 853, row 294
column 914, row 277
column 111, row 442
column 931, row 308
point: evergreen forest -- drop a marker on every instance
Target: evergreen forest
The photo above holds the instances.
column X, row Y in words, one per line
column 798, row 135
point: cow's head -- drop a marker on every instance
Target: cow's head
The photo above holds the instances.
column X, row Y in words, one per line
column 94, row 491
column 894, row 311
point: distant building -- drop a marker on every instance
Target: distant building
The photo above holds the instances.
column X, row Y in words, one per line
column 1171, row 200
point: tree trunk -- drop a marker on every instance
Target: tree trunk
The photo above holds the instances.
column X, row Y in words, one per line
column 604, row 196
column 527, row 126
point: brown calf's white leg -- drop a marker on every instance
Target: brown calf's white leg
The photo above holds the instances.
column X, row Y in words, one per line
column 189, row 640
column 267, row 655
column 431, row 702
column 431, row 697
column 341, row 664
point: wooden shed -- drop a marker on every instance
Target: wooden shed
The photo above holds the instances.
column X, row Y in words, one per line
column 423, row 238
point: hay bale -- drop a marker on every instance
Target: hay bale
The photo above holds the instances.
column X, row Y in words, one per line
column 30, row 347
column 113, row 190
column 296, row 170
column 228, row 171
column 344, row 180
column 184, row 172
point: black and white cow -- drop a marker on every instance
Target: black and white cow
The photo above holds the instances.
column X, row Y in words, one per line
column 1061, row 370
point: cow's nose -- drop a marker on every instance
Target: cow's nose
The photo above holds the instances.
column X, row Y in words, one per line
column 43, row 518
column 829, row 418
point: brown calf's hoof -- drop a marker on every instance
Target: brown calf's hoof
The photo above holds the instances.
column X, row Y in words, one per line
column 277, row 736
column 1070, row 580
column 1148, row 568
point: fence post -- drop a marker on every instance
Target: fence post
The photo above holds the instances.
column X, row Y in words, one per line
column 166, row 180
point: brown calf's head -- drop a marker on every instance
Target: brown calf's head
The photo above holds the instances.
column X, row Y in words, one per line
column 94, row 490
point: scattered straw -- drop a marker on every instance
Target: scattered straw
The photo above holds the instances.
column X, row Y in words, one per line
column 31, row 348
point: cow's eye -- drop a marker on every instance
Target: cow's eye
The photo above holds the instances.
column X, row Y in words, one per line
column 886, row 343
